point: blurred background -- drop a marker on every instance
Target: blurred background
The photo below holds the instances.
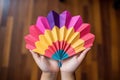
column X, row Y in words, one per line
column 101, row 63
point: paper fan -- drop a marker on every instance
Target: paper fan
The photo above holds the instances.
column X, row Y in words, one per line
column 59, row 36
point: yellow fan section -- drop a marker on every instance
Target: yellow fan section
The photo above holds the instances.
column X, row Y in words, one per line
column 59, row 34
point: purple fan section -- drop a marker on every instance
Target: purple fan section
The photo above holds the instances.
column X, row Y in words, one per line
column 54, row 19
column 64, row 19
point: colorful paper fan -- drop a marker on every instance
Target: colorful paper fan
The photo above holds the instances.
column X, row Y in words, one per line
column 59, row 36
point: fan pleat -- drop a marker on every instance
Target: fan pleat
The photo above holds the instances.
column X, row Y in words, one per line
column 75, row 22
column 84, row 29
column 68, row 33
column 30, row 39
column 52, row 50
column 67, row 46
column 42, row 24
column 53, row 19
column 34, row 31
column 42, row 44
column 55, row 35
column 56, row 44
column 74, row 37
column 30, row 47
column 62, row 36
column 49, row 37
column 79, row 49
column 70, row 51
column 79, row 43
column 65, row 18
column 48, row 53
column 88, row 38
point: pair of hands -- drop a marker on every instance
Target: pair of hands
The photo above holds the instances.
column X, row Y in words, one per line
column 50, row 67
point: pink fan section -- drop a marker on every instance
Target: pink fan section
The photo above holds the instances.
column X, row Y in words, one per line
column 32, row 37
column 42, row 24
column 64, row 19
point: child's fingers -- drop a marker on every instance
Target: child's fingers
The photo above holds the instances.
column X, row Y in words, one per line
column 83, row 54
column 35, row 56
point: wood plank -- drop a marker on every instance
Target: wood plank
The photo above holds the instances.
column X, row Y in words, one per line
column 3, row 73
column 1, row 9
column 106, row 34
column 62, row 6
column 94, row 70
column 114, row 42
column 15, row 57
column 34, row 72
column 118, row 23
column 26, row 65
column 97, row 21
column 27, row 22
column 2, row 36
column 100, row 59
column 54, row 5
column 78, row 73
column 7, row 42
column 5, row 9
column 92, row 56
column 40, row 9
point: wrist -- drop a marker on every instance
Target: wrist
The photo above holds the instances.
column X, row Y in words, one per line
column 49, row 76
column 68, row 75
column 49, row 73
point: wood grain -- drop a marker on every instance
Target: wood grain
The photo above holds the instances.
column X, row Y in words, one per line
column 7, row 42
column 27, row 22
column 1, row 9
column 114, row 41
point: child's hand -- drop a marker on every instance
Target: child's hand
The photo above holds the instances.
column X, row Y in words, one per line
column 48, row 66
column 71, row 64
column 45, row 64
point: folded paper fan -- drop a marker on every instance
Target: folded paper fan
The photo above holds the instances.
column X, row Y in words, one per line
column 59, row 36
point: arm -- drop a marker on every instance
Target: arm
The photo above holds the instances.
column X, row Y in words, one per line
column 71, row 64
column 48, row 66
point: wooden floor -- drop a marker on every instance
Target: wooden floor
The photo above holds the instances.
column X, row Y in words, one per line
column 101, row 63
